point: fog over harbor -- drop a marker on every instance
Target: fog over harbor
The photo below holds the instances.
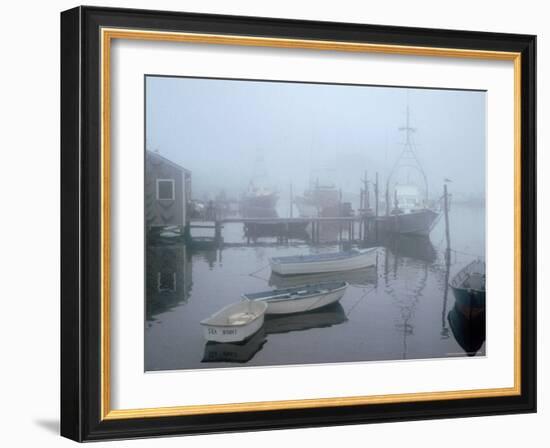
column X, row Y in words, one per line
column 330, row 132
column 267, row 245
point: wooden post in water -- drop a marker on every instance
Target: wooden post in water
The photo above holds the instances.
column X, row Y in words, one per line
column 318, row 232
column 217, row 232
column 444, row 329
column 291, row 201
column 366, row 194
column 287, row 232
column 365, row 206
column 376, row 191
column 388, row 198
column 446, row 211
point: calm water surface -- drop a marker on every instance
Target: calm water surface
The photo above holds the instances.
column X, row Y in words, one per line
column 400, row 309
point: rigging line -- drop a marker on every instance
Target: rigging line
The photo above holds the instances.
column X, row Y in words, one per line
column 252, row 274
column 467, row 253
column 365, row 294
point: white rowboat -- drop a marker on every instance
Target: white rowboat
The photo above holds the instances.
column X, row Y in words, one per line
column 299, row 299
column 235, row 322
column 319, row 263
column 363, row 277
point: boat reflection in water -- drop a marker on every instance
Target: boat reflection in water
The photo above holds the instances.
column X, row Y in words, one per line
column 242, row 352
column 468, row 326
column 321, row 318
column 238, row 352
column 417, row 247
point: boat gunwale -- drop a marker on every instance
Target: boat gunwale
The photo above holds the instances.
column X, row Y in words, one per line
column 459, row 277
column 343, row 285
column 337, row 256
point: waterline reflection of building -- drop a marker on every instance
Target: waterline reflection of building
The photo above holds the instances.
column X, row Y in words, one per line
column 168, row 278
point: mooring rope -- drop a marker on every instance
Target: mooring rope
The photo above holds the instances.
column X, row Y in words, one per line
column 365, row 294
column 253, row 274
column 467, row 253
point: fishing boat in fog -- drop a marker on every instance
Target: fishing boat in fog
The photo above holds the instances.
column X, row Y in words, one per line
column 259, row 202
column 299, row 299
column 319, row 201
column 326, row 262
column 235, row 322
column 412, row 213
column 416, row 220
column 468, row 285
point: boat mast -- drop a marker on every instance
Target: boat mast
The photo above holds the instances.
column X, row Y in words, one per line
column 408, row 157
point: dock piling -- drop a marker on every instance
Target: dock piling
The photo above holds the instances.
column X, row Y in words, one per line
column 376, row 191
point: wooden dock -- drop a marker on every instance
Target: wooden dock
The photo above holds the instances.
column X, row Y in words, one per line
column 284, row 228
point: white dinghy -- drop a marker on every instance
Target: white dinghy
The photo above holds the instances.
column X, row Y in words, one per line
column 235, row 322
column 329, row 262
column 299, row 299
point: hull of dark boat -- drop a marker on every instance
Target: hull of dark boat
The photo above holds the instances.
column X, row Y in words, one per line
column 414, row 223
column 468, row 327
column 469, row 298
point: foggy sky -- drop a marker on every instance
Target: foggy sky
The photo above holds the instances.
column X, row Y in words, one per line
column 217, row 129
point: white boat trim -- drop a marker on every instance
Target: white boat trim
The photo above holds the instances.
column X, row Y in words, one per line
column 324, row 263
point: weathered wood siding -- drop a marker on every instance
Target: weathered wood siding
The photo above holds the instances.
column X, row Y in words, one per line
column 164, row 212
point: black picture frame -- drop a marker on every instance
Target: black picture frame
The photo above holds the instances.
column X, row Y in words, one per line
column 81, row 224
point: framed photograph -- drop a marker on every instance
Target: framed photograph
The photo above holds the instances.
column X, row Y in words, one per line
column 273, row 223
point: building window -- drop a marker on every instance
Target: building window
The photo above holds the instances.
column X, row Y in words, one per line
column 165, row 189
column 166, row 282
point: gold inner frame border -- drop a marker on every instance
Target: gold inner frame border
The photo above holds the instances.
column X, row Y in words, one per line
column 107, row 35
